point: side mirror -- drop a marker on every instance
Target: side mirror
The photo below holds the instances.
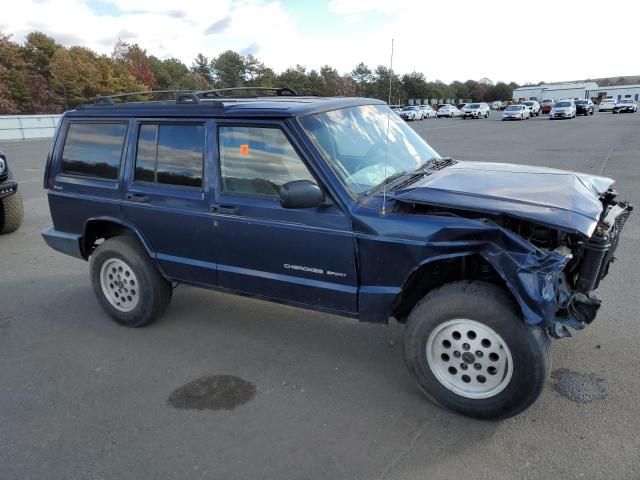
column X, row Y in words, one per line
column 301, row 194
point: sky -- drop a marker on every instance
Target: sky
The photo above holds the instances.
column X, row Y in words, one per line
column 519, row 41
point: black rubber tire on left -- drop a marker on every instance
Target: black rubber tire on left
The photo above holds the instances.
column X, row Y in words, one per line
column 11, row 213
column 492, row 306
column 154, row 290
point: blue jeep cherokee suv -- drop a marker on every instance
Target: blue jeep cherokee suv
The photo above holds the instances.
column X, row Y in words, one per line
column 335, row 204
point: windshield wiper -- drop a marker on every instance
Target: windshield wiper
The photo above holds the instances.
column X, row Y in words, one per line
column 386, row 181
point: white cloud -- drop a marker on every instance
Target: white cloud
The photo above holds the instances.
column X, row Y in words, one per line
column 502, row 40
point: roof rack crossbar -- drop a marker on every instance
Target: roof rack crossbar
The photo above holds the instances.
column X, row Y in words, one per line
column 280, row 91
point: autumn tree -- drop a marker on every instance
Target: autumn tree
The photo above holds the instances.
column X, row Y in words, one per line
column 136, row 61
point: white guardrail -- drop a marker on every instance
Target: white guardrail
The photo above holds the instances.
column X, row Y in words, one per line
column 24, row 127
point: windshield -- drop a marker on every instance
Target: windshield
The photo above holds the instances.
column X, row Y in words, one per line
column 408, row 108
column 563, row 104
column 547, row 101
column 473, row 105
column 529, row 104
column 581, row 102
column 353, row 142
column 512, row 108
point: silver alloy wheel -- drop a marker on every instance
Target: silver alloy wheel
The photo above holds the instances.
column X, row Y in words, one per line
column 469, row 358
column 119, row 285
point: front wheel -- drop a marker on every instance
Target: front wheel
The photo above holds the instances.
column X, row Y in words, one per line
column 128, row 285
column 470, row 351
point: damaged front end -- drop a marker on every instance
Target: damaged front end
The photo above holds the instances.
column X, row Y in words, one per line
column 578, row 305
column 551, row 272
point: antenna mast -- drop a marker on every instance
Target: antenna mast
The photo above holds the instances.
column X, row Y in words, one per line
column 386, row 157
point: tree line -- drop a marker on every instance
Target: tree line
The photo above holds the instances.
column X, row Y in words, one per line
column 42, row 76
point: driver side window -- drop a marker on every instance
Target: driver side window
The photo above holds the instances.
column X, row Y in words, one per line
column 258, row 160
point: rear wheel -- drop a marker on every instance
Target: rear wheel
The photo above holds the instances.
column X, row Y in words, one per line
column 469, row 351
column 11, row 213
column 128, row 285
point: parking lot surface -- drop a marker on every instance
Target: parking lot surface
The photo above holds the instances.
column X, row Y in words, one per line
column 318, row 396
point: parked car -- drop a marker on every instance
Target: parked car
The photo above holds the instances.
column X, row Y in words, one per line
column 11, row 209
column 497, row 105
column 607, row 105
column 475, row 110
column 533, row 106
column 563, row 109
column 584, row 107
column 546, row 106
column 333, row 204
column 410, row 112
column 447, row 110
column 427, row 111
column 516, row 112
column 625, row 105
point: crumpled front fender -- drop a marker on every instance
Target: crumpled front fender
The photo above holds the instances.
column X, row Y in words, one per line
column 531, row 274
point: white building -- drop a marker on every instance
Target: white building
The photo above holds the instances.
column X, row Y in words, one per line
column 618, row 92
column 555, row 92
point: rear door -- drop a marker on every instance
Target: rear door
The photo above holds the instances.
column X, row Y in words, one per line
column 304, row 256
column 84, row 178
column 166, row 195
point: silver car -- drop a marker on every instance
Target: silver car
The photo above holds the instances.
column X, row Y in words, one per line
column 563, row 109
column 475, row 110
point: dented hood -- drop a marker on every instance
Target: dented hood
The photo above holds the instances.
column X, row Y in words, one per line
column 560, row 199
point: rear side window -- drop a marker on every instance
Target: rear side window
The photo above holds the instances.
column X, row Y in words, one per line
column 170, row 154
column 93, row 149
column 258, row 160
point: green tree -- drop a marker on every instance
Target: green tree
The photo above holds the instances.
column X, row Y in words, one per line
column 202, row 66
column 229, row 69
column 415, row 85
column 38, row 52
column 168, row 73
column 363, row 77
column 295, row 78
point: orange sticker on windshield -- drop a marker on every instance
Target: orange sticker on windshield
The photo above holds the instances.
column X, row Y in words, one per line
column 244, row 149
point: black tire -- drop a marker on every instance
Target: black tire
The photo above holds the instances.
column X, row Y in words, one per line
column 11, row 213
column 491, row 306
column 154, row 291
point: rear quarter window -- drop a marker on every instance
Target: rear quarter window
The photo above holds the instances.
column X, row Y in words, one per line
column 93, row 149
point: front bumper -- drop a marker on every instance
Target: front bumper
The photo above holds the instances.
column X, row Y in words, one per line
column 8, row 187
column 67, row 243
column 561, row 115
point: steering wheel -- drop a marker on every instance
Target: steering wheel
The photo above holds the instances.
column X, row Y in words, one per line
column 367, row 156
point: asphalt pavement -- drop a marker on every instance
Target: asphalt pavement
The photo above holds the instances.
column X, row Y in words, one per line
column 315, row 396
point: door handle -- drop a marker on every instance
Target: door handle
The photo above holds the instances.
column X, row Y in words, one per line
column 137, row 197
column 225, row 209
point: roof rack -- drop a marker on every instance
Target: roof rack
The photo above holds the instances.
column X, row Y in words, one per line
column 279, row 91
column 190, row 97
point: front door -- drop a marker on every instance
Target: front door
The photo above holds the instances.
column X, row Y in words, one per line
column 304, row 256
column 166, row 196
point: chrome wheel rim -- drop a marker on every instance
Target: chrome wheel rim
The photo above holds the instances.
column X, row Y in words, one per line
column 119, row 285
column 469, row 358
